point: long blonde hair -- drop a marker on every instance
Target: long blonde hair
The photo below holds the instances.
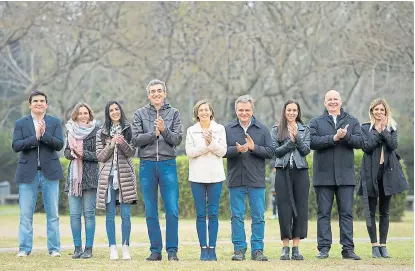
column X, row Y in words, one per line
column 390, row 122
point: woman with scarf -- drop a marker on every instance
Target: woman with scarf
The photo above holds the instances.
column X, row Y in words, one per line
column 381, row 174
column 291, row 142
column 117, row 181
column 81, row 183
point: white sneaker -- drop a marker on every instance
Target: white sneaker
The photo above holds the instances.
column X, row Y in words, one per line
column 113, row 252
column 273, row 217
column 22, row 254
column 55, row 254
column 126, row 253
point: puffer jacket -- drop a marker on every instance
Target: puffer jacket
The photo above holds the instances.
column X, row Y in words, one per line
column 126, row 177
column 283, row 149
column 150, row 146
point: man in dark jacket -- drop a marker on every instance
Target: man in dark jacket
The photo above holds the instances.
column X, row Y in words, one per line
column 38, row 137
column 249, row 144
column 157, row 131
column 334, row 135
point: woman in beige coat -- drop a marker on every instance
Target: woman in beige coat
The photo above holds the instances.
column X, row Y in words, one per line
column 117, row 182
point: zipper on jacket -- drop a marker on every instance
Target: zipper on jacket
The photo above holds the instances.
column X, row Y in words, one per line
column 118, row 178
column 157, row 140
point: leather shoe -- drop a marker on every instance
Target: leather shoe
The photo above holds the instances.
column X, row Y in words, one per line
column 376, row 252
column 323, row 254
column 154, row 257
column 239, row 255
column 285, row 254
column 384, row 252
column 349, row 255
column 296, row 254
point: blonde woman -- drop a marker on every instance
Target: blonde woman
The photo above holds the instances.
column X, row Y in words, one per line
column 205, row 146
column 381, row 174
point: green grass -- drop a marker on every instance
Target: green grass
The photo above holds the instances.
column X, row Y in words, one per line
column 402, row 251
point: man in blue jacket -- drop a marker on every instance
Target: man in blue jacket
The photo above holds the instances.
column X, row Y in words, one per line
column 334, row 135
column 38, row 137
column 249, row 144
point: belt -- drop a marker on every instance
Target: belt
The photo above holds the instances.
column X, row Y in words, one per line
column 39, row 168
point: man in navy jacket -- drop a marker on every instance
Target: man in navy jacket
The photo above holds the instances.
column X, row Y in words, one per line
column 249, row 144
column 38, row 137
column 334, row 135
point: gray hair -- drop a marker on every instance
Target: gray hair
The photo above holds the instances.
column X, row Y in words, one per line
column 156, row 82
column 245, row 99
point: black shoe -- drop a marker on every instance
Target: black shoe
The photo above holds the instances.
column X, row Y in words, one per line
column 155, row 256
column 376, row 252
column 87, row 253
column 384, row 252
column 204, row 254
column 323, row 254
column 212, row 254
column 296, row 254
column 77, row 253
column 258, row 255
column 349, row 255
column 172, row 256
column 285, row 254
column 239, row 255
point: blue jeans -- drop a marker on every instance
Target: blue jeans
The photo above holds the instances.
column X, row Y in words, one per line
column 256, row 197
column 110, row 219
column 200, row 192
column 78, row 206
column 164, row 174
column 27, row 203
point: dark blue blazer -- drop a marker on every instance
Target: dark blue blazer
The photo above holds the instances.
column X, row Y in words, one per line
column 25, row 142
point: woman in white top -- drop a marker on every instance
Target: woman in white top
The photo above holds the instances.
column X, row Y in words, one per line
column 205, row 147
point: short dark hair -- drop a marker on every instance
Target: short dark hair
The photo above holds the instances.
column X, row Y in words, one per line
column 36, row 93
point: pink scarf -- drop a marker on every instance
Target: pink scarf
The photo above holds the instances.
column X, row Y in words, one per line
column 76, row 134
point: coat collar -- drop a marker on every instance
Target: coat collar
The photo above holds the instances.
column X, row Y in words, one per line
column 198, row 128
column 105, row 132
column 31, row 125
column 235, row 122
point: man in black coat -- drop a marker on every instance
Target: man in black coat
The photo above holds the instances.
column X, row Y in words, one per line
column 334, row 135
column 38, row 137
column 249, row 144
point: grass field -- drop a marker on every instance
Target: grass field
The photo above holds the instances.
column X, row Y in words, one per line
column 402, row 250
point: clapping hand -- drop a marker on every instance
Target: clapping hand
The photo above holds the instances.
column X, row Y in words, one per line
column 292, row 130
column 241, row 148
column 380, row 126
column 341, row 132
column 250, row 142
column 159, row 123
column 207, row 135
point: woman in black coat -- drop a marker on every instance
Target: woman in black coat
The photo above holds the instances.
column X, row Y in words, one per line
column 381, row 174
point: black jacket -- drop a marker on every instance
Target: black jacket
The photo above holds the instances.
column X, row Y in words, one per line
column 25, row 142
column 283, row 149
column 89, row 162
column 333, row 162
column 247, row 169
column 394, row 180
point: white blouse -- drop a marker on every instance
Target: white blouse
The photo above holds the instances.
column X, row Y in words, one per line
column 205, row 162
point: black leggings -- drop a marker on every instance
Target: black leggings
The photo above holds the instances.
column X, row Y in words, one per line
column 384, row 202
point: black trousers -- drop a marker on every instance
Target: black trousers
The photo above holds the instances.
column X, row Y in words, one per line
column 344, row 199
column 292, row 187
column 384, row 202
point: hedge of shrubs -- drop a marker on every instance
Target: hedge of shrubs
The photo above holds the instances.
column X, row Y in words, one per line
column 186, row 206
